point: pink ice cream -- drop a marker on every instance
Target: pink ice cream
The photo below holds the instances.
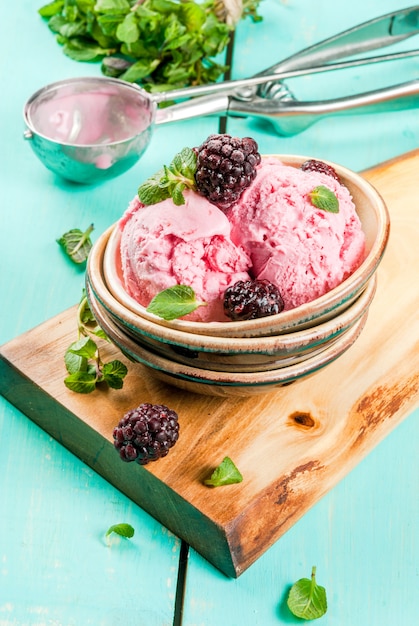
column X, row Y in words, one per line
column 303, row 250
column 164, row 245
column 274, row 232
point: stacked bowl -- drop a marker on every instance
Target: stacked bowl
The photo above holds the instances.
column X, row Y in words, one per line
column 246, row 357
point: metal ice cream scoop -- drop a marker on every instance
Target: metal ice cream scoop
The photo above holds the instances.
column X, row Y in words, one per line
column 91, row 129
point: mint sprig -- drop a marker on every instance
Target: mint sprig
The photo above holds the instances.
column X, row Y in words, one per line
column 76, row 244
column 325, row 199
column 307, row 599
column 83, row 361
column 225, row 474
column 174, row 302
column 171, row 180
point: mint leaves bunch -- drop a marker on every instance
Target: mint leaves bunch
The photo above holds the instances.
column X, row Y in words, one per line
column 82, row 358
column 161, row 43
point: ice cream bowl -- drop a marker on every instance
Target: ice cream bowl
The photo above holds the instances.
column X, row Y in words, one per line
column 375, row 222
column 215, row 383
column 228, row 354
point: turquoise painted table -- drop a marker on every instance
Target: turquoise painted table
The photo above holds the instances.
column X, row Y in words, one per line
column 55, row 567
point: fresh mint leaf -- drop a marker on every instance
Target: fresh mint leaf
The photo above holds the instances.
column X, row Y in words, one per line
column 139, row 70
column 51, row 8
column 80, row 50
column 193, row 16
column 127, row 30
column 307, row 599
column 177, row 194
column 74, row 363
column 174, row 302
column 85, row 314
column 98, row 332
column 225, row 474
column 81, row 382
column 154, row 189
column 56, row 23
column 73, row 29
column 84, row 347
column 112, row 6
column 184, row 163
column 113, row 374
column 325, row 199
column 123, row 530
column 76, row 244
column 171, row 180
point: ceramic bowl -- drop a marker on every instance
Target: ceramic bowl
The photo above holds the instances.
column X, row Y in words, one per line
column 215, row 383
column 229, row 354
column 242, row 358
column 375, row 221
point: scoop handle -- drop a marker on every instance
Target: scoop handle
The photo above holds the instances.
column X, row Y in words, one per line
column 292, row 116
column 378, row 32
column 199, row 107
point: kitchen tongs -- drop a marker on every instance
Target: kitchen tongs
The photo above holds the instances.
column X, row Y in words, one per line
column 266, row 96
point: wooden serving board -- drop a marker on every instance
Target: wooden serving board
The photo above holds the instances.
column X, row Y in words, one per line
column 292, row 445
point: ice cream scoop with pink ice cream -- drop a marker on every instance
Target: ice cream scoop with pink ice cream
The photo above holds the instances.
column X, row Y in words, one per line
column 274, row 232
column 304, row 250
column 163, row 245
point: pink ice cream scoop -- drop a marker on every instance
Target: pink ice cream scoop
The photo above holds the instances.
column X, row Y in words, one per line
column 164, row 245
column 303, row 250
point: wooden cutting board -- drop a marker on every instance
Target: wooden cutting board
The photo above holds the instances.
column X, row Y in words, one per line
column 292, row 445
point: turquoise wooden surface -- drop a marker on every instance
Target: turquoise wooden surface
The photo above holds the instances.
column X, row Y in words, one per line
column 55, row 568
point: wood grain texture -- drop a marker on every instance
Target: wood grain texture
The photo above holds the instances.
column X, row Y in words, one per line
column 291, row 445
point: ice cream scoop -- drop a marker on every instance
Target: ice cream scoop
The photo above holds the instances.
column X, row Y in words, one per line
column 163, row 245
column 91, row 129
column 302, row 249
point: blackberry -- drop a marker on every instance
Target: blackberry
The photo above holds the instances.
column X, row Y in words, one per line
column 226, row 166
column 313, row 165
column 250, row 299
column 146, row 433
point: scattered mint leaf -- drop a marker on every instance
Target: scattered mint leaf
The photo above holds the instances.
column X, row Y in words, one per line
column 121, row 530
column 324, row 199
column 307, row 599
column 174, row 302
column 124, row 530
column 171, row 181
column 225, row 474
column 76, row 244
column 82, row 358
